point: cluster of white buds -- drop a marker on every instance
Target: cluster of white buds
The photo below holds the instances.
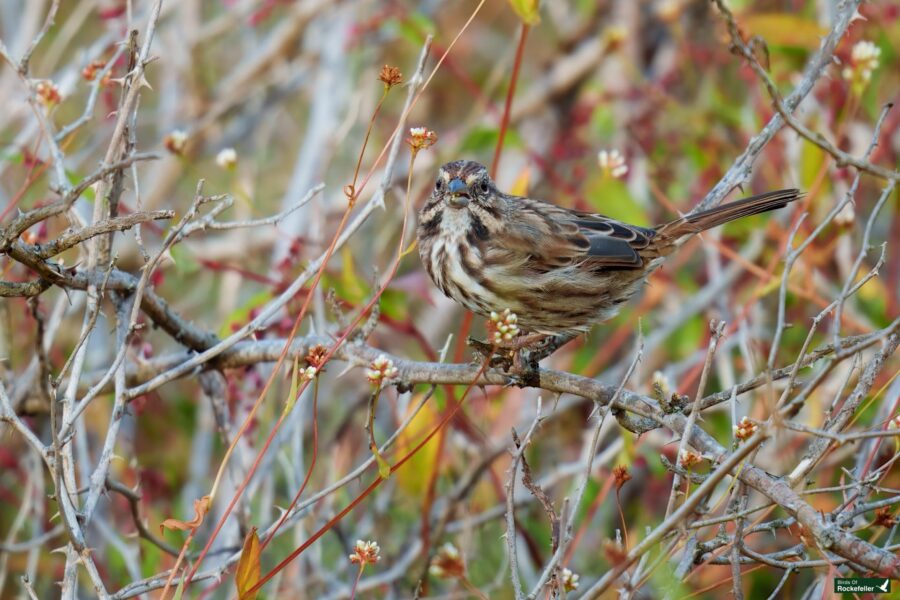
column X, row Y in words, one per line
column 448, row 563
column 48, row 93
column 227, row 159
column 846, row 215
column 365, row 553
column 744, row 429
column 381, row 369
column 505, row 325
column 689, row 458
column 176, row 141
column 570, row 580
column 612, row 163
column 421, row 138
column 309, row 373
column 663, row 381
column 864, row 59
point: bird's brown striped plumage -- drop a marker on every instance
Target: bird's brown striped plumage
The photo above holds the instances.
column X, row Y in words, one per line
column 559, row 270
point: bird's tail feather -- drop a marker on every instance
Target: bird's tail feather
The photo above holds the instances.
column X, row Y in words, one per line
column 707, row 219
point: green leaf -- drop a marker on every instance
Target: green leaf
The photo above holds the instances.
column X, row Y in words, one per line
column 687, row 338
column 604, row 122
column 591, row 490
column 74, row 179
column 242, row 313
column 484, row 139
column 395, row 304
column 185, row 262
column 414, row 28
column 610, row 197
column 12, row 155
column 179, row 591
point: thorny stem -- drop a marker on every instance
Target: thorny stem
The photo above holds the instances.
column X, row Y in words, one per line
column 717, row 329
column 325, row 360
column 250, row 415
column 284, row 353
column 365, row 493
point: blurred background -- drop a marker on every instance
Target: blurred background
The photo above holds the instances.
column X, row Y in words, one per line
column 630, row 109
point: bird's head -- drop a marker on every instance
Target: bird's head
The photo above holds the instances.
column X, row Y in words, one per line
column 463, row 183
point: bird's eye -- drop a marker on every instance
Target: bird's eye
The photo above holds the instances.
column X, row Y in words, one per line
column 439, row 184
column 483, row 187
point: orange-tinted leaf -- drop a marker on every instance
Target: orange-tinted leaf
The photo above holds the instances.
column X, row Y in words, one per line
column 783, row 29
column 248, row 569
column 201, row 507
column 520, row 185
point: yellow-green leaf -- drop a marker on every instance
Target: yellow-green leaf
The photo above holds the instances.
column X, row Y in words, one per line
column 527, row 10
column 384, row 468
column 179, row 591
column 295, row 386
column 352, row 287
column 412, row 478
column 784, row 29
column 247, row 574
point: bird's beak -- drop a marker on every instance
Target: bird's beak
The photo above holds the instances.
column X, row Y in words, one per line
column 459, row 193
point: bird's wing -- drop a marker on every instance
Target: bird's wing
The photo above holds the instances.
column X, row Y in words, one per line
column 612, row 243
column 551, row 236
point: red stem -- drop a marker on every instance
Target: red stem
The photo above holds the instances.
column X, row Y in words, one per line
column 504, row 122
column 356, row 581
column 378, row 481
column 309, row 471
column 501, row 136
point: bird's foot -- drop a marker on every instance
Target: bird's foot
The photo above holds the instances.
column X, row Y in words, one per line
column 519, row 357
column 496, row 357
column 512, row 358
column 548, row 345
column 525, row 371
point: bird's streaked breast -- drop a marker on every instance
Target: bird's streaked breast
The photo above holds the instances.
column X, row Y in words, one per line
column 455, row 264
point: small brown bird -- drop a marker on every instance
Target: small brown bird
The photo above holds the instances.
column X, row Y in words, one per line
column 559, row 270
